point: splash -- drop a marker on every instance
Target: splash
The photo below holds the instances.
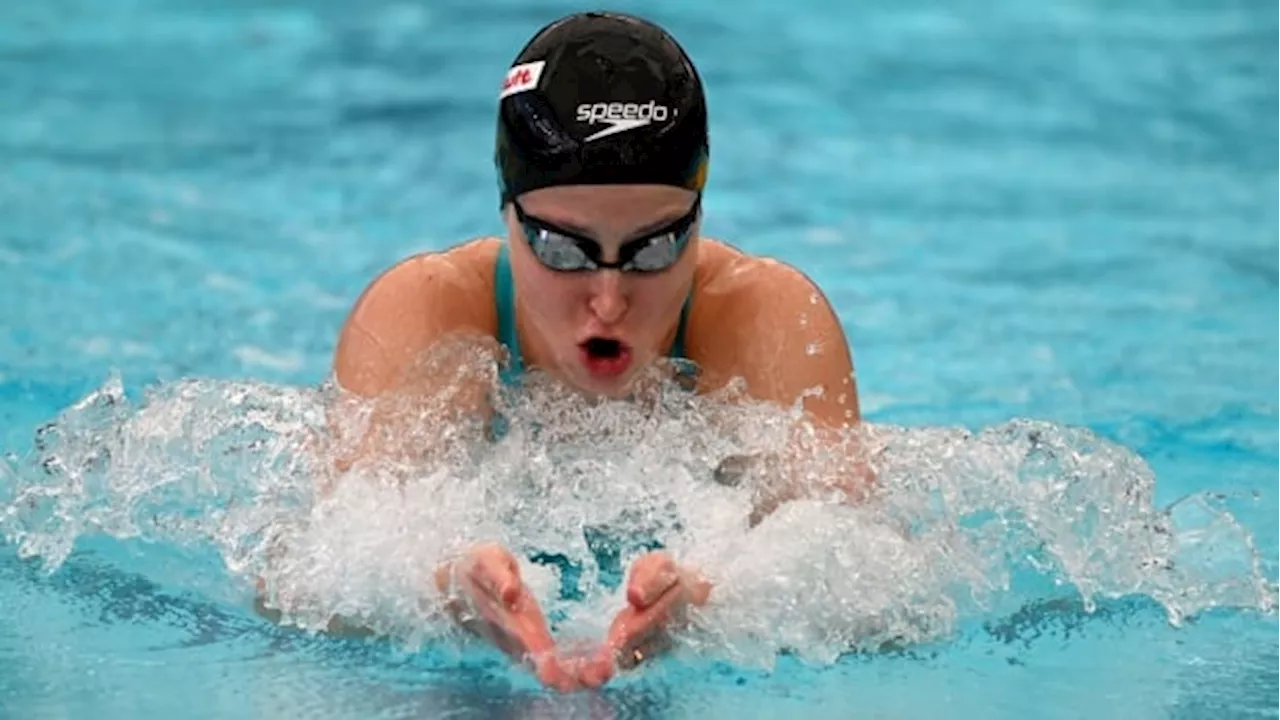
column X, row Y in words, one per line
column 962, row 524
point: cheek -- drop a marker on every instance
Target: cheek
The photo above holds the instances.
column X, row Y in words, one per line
column 659, row 298
column 548, row 295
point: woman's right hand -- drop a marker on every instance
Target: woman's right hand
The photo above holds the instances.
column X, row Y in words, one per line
column 485, row 594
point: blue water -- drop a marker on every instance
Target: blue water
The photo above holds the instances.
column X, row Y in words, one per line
column 1057, row 211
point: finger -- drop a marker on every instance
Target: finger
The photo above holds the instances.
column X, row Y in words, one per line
column 518, row 628
column 552, row 672
column 513, row 584
column 699, row 590
column 507, row 615
column 646, row 587
column 444, row 577
column 499, row 577
column 632, row 627
column 651, row 574
column 525, row 638
column 527, row 628
column 627, row 641
column 597, row 670
column 644, row 650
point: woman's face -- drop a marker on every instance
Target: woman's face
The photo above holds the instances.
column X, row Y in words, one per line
column 597, row 328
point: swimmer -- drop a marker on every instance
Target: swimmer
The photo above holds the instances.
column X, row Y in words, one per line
column 602, row 156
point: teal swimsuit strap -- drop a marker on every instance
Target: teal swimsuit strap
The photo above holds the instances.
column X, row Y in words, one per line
column 677, row 348
column 504, row 298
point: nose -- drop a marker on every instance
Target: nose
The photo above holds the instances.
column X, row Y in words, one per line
column 607, row 302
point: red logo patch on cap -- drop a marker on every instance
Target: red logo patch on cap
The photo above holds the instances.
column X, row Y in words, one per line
column 522, row 77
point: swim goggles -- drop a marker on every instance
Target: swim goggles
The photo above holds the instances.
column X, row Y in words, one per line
column 566, row 251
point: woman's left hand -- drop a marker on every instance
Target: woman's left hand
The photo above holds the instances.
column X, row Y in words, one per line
column 658, row 593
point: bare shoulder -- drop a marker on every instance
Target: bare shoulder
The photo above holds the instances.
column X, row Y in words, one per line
column 729, row 280
column 410, row 305
column 423, row 276
column 766, row 322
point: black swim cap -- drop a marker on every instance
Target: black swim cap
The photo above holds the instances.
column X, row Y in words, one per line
column 601, row 98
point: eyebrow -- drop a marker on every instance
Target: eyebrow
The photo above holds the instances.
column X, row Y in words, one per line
column 656, row 226
column 633, row 235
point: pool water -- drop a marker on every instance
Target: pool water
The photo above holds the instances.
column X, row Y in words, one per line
column 1063, row 215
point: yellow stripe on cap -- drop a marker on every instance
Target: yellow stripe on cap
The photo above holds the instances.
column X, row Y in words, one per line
column 700, row 177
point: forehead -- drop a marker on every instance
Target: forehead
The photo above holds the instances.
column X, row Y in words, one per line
column 608, row 210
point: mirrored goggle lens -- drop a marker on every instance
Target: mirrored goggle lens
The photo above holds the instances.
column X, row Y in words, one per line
column 559, row 252
column 658, row 253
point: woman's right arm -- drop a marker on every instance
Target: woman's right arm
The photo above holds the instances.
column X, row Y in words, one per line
column 417, row 347
column 395, row 391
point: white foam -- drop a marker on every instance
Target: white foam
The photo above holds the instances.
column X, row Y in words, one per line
column 959, row 518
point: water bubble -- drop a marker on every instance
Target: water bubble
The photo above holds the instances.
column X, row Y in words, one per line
column 959, row 524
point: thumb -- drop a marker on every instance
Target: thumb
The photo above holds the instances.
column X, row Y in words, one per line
column 499, row 576
column 650, row 583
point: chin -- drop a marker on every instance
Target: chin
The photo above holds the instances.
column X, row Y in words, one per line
column 614, row 388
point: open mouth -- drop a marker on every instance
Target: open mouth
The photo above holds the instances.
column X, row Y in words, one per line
column 599, row 348
column 605, row 357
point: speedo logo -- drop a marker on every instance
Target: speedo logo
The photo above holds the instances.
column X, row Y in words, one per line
column 621, row 117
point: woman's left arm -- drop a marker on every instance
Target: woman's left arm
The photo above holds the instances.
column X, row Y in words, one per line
column 780, row 336
column 798, row 350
